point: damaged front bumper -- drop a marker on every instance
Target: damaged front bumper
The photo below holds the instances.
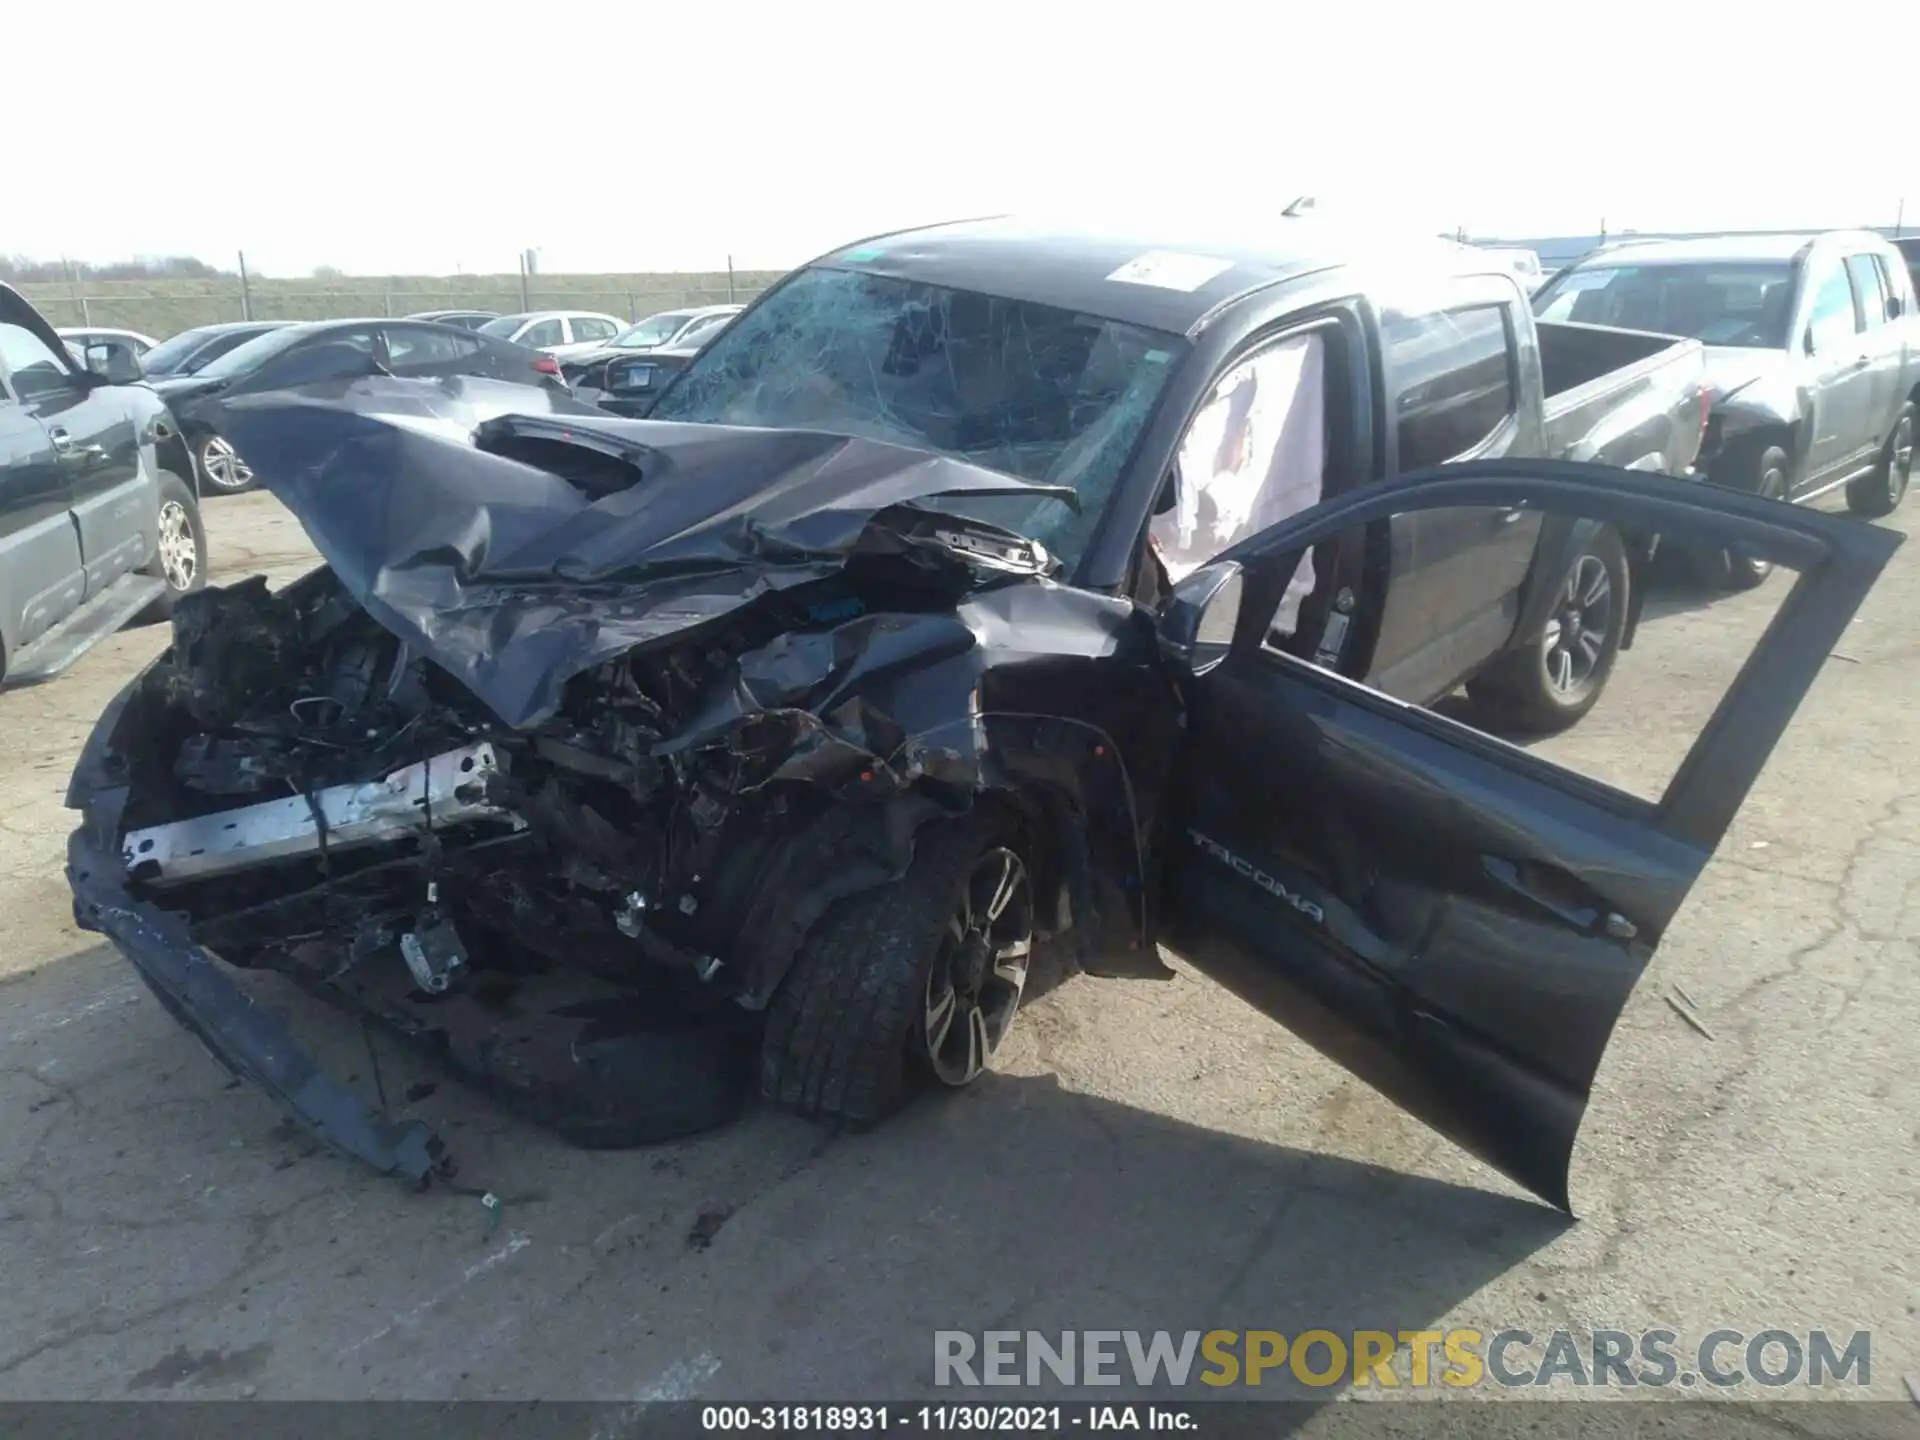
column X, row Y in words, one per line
column 243, row 1035
column 437, row 793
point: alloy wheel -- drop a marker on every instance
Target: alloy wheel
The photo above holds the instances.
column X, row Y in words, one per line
column 1576, row 634
column 1900, row 472
column 179, row 551
column 222, row 465
column 980, row 973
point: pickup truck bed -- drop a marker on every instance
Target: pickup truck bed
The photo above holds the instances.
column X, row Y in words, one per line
column 1621, row 397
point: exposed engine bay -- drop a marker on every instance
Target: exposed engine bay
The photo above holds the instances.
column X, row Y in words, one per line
column 315, row 798
column 323, row 787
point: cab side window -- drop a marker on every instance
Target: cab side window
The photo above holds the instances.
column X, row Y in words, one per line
column 35, row 370
column 1254, row 454
column 1868, row 290
column 409, row 345
column 1832, row 322
column 1452, row 373
column 1895, row 280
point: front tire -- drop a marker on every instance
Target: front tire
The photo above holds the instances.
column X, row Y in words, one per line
column 221, row 467
column 1549, row 682
column 1880, row 492
column 180, row 550
column 1739, row 569
column 913, row 984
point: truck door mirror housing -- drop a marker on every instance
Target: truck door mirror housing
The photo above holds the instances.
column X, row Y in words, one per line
column 1196, row 624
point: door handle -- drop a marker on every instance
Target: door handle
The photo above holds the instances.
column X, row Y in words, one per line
column 1863, row 362
column 65, row 447
column 1559, row 896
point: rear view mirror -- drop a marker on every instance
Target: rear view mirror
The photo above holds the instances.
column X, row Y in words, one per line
column 1197, row 623
column 113, row 363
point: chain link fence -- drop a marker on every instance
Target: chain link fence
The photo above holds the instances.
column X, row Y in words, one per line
column 165, row 307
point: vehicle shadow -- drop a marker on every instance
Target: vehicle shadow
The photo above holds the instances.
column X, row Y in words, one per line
column 1022, row 1205
column 1676, row 587
column 790, row 1261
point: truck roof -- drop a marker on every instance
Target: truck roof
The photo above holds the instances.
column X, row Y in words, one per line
column 1160, row 282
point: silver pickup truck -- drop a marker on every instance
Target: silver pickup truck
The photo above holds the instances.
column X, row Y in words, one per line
column 1813, row 354
column 99, row 517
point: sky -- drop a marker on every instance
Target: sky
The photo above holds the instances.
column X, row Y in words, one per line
column 414, row 137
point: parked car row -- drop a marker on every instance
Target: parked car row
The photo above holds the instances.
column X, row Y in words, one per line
column 239, row 357
column 287, row 355
column 628, row 374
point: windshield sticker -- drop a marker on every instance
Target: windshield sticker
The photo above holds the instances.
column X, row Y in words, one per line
column 1171, row 270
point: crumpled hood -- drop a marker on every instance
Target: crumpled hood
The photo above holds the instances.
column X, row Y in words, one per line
column 514, row 579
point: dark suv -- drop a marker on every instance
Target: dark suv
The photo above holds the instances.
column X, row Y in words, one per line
column 99, row 519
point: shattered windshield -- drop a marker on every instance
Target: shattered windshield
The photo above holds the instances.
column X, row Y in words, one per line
column 1030, row 390
column 1719, row 303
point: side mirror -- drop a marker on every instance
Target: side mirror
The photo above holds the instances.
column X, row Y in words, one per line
column 114, row 364
column 1197, row 622
column 1806, row 341
column 1896, row 307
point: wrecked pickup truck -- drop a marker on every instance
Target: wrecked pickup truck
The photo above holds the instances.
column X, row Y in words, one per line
column 604, row 756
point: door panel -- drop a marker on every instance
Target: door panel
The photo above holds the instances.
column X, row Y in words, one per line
column 41, row 579
column 1465, row 564
column 1453, row 377
column 1841, row 372
column 1883, row 346
column 114, row 506
column 1456, row 920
